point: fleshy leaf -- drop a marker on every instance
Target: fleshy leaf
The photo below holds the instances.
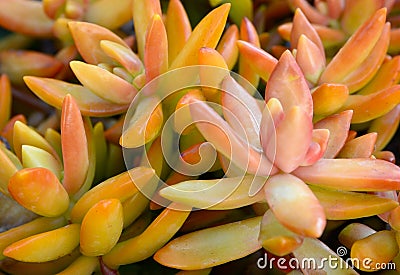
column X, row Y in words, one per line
column 294, row 205
column 122, row 187
column 356, row 49
column 206, row 34
column 287, row 83
column 260, row 61
column 338, row 126
column 301, row 26
column 368, row 68
column 317, row 250
column 145, row 124
column 368, row 107
column 344, row 205
column 386, row 127
column 328, row 98
column 74, row 146
column 293, row 138
column 178, row 28
column 212, row 246
column 225, row 193
column 156, row 49
column 49, row 245
column 352, row 174
column 29, row 184
column 387, row 75
column 236, row 100
column 103, row 83
column 53, row 91
column 227, row 46
column 25, row 17
column 360, row 147
column 5, row 100
column 144, row 245
column 378, row 248
column 221, row 135
column 143, row 12
column 249, row 34
column 87, row 37
column 276, row 238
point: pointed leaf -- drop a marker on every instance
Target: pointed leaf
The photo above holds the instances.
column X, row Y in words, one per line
column 123, row 55
column 100, row 81
column 220, row 194
column 178, row 28
column 143, row 12
column 30, row 228
column 344, row 205
column 352, row 18
column 249, row 34
column 368, row 68
column 18, row 63
column 338, row 126
column 53, row 91
column 206, row 34
column 293, row 138
column 301, row 26
column 287, row 83
column 360, row 147
column 368, row 107
column 310, row 59
column 352, row 174
column 227, row 46
column 144, row 245
column 311, row 12
column 101, row 227
column 156, row 49
column 74, row 146
column 236, row 100
column 387, row 75
column 221, row 135
column 342, row 65
column 260, row 61
column 24, row 135
column 49, row 245
column 212, row 246
column 87, row 37
column 145, row 124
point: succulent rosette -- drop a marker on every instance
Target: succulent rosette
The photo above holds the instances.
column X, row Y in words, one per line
column 191, row 149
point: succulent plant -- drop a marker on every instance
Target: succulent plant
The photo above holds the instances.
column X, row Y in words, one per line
column 191, row 149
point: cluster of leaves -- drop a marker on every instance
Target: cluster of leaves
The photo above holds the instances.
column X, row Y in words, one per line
column 288, row 170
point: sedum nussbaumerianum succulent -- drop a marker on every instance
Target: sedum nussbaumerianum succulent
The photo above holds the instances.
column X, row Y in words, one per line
column 187, row 163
